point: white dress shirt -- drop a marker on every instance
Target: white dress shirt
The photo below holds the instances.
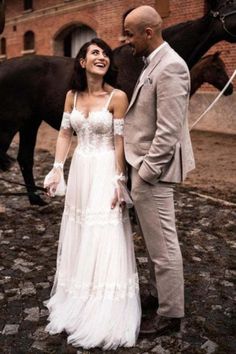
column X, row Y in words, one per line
column 150, row 57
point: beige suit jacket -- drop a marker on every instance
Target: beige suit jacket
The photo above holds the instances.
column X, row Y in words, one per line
column 156, row 133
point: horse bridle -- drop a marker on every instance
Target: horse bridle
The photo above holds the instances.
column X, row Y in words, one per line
column 221, row 14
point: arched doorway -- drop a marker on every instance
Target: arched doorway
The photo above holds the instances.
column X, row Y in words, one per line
column 70, row 39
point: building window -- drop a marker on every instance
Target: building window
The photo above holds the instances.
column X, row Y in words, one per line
column 29, row 40
column 28, row 5
column 29, row 43
column 3, row 49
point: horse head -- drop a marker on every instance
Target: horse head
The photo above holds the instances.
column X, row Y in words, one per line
column 2, row 15
column 224, row 11
column 210, row 69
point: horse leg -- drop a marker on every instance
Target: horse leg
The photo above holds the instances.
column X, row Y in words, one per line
column 6, row 137
column 5, row 160
column 25, row 158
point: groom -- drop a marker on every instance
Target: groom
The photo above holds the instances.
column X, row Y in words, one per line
column 158, row 147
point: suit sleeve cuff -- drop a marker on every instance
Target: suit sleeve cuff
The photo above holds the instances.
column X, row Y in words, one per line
column 147, row 174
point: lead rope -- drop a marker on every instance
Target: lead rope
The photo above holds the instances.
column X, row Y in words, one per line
column 215, row 100
column 42, row 189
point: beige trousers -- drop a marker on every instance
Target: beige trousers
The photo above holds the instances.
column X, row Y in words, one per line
column 154, row 205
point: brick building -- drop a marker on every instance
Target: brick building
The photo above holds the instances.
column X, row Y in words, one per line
column 59, row 27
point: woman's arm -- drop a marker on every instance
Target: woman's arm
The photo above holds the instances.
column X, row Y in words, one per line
column 62, row 147
column 119, row 107
column 65, row 132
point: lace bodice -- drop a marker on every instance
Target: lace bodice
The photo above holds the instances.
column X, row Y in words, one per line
column 96, row 131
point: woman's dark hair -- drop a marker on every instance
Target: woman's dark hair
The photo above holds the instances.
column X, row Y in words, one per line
column 79, row 79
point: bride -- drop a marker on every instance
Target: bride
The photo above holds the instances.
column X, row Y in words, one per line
column 95, row 296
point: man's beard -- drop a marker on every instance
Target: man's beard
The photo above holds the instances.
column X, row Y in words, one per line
column 135, row 53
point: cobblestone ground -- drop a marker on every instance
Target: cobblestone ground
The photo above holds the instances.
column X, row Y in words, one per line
column 28, row 238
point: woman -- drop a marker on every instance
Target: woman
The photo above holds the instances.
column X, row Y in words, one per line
column 95, row 297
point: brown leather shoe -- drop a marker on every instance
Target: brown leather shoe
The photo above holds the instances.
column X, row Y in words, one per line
column 160, row 325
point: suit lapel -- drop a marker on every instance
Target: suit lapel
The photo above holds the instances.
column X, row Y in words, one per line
column 135, row 92
column 154, row 62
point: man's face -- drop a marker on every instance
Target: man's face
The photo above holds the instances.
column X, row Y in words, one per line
column 136, row 38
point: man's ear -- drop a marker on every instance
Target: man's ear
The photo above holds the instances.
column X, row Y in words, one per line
column 149, row 32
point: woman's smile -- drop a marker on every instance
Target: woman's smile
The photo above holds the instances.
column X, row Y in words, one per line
column 96, row 58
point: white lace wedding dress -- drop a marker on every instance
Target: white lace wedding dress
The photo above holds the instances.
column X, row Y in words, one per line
column 95, row 297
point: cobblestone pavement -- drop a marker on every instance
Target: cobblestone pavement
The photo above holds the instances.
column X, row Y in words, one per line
column 28, row 238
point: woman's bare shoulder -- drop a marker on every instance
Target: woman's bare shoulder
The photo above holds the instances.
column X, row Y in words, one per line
column 70, row 94
column 120, row 96
column 69, row 101
column 117, row 92
column 119, row 103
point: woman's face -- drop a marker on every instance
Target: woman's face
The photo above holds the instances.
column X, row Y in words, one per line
column 96, row 61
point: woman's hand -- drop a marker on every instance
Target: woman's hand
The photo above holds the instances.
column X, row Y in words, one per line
column 118, row 199
column 51, row 189
column 52, row 180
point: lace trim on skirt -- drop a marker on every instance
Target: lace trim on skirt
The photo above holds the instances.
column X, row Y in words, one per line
column 116, row 291
column 94, row 217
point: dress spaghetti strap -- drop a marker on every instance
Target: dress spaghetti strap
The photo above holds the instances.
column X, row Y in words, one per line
column 75, row 99
column 109, row 99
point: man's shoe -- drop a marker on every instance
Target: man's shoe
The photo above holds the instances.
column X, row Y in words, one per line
column 149, row 303
column 147, row 327
column 165, row 325
column 160, row 325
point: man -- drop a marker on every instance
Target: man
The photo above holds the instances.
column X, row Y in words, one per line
column 158, row 148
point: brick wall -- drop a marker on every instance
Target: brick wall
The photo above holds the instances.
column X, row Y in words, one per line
column 49, row 17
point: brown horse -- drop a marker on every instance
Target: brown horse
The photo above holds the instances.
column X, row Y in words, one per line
column 210, row 69
column 32, row 89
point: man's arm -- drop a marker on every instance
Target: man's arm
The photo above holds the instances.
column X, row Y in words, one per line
column 172, row 96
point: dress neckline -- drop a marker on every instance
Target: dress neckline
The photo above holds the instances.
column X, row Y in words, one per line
column 104, row 108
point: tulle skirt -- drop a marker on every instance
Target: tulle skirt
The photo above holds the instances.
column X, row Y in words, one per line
column 95, row 296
